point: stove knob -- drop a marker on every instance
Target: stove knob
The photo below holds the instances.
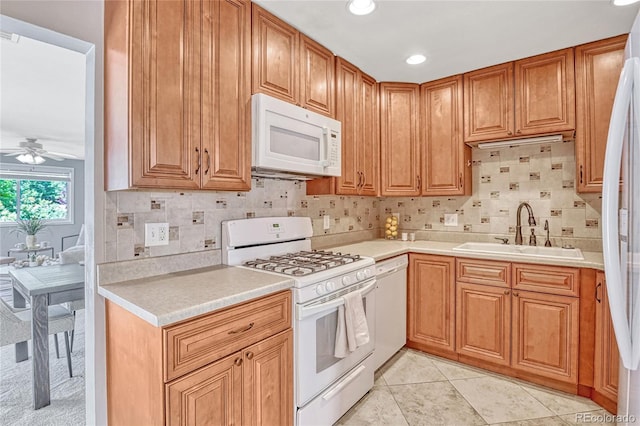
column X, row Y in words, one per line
column 321, row 289
column 360, row 275
column 346, row 280
column 368, row 273
column 331, row 286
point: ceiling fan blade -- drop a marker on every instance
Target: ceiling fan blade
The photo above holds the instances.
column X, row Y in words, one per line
column 53, row 157
column 13, row 154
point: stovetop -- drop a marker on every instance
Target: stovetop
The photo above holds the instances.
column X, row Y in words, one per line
column 303, row 262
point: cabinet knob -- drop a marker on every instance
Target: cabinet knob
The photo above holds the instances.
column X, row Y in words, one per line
column 580, row 173
column 460, row 180
column 206, row 151
column 419, row 179
column 509, row 133
column 249, row 355
column 506, row 292
column 518, row 131
column 198, row 159
column 516, row 294
column 597, row 288
column 238, row 361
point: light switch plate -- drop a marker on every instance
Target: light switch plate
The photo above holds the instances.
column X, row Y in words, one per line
column 451, row 219
column 327, row 222
column 156, row 234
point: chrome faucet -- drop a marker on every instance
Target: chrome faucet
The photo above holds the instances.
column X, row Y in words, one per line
column 532, row 221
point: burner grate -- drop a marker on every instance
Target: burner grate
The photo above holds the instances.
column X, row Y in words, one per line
column 303, row 262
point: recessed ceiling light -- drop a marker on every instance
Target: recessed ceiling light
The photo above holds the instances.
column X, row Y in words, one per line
column 416, row 59
column 623, row 2
column 361, row 7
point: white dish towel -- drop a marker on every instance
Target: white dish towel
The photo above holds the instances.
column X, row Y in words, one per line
column 352, row 330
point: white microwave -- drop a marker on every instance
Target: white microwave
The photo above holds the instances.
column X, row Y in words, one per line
column 292, row 142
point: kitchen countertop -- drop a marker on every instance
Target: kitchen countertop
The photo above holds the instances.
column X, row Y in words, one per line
column 167, row 299
column 382, row 249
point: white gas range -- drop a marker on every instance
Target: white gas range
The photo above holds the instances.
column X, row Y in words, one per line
column 325, row 386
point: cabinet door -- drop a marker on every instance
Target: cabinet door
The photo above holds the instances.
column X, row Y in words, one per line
column 545, row 93
column 607, row 357
column 211, row 395
column 483, row 322
column 598, row 67
column 164, row 94
column 275, row 56
column 399, row 139
column 431, row 303
column 488, row 103
column 443, row 152
column 545, row 335
column 369, row 136
column 347, row 98
column 317, row 66
column 268, row 381
column 225, row 59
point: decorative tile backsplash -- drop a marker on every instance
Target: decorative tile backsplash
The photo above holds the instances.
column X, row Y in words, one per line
column 194, row 217
column 542, row 175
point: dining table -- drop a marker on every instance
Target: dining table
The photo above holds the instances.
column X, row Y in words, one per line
column 43, row 286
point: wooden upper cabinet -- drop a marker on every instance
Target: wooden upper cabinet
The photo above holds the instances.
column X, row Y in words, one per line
column 399, row 139
column 369, row 136
column 545, row 93
column 275, row 56
column 357, row 110
column 169, row 65
column 598, row 67
column 226, row 70
column 488, row 103
column 347, row 107
column 290, row 66
column 446, row 159
column 317, row 77
column 152, row 94
column 528, row 97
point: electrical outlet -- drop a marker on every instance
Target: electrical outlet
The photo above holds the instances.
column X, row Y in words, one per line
column 327, row 222
column 156, row 234
column 451, row 219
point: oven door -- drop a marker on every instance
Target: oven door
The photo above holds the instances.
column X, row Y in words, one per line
column 315, row 331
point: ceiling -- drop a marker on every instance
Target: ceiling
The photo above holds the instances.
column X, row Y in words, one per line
column 43, row 96
column 455, row 36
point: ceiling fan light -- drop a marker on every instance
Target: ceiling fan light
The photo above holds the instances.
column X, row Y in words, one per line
column 29, row 158
column 361, row 7
column 623, row 2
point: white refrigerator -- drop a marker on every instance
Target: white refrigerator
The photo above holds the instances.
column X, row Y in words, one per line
column 621, row 227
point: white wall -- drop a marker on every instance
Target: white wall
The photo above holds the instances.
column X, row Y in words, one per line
column 83, row 20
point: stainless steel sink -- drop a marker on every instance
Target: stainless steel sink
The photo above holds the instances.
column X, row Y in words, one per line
column 532, row 251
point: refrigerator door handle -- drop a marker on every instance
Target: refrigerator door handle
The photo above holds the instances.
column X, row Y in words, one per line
column 629, row 349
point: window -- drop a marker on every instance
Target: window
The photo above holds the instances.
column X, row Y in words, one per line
column 33, row 191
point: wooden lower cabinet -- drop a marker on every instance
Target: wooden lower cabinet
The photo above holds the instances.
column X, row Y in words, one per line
column 607, row 357
column 483, row 325
column 545, row 335
column 251, row 387
column 250, row 383
column 431, row 304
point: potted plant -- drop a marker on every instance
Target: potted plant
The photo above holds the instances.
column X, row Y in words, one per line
column 30, row 227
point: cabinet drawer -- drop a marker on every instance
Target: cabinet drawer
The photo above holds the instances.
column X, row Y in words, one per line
column 483, row 272
column 198, row 342
column 548, row 279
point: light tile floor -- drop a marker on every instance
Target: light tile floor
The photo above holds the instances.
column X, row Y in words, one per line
column 414, row 388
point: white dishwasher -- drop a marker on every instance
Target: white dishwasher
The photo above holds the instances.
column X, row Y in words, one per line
column 391, row 308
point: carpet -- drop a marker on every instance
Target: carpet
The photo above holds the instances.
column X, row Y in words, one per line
column 67, row 394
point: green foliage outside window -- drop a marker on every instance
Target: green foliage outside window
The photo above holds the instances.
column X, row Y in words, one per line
column 45, row 199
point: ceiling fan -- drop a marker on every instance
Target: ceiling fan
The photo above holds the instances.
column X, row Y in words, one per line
column 32, row 152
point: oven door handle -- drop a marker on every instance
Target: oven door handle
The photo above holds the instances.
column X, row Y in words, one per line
column 303, row 312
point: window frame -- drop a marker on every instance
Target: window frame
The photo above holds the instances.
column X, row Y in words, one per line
column 18, row 172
